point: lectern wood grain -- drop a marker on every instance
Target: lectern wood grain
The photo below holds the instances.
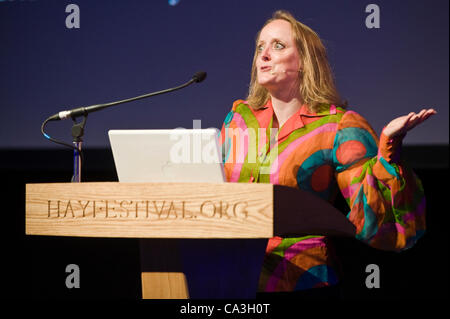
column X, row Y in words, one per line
column 164, row 285
column 180, row 210
column 150, row 210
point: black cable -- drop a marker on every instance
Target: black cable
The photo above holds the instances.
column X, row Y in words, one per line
column 60, row 142
column 84, row 111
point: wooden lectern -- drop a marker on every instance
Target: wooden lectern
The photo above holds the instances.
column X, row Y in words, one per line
column 198, row 240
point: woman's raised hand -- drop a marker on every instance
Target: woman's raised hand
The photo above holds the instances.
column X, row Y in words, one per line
column 404, row 123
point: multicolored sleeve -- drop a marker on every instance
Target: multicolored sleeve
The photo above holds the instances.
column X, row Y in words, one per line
column 386, row 198
column 229, row 141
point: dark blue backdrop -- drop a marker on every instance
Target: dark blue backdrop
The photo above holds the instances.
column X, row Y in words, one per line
column 127, row 48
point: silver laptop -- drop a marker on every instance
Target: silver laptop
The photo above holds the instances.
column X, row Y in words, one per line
column 176, row 155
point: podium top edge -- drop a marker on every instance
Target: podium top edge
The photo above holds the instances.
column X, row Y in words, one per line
column 261, row 185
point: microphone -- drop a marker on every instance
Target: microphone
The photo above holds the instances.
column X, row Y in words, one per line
column 273, row 71
column 80, row 111
column 199, row 76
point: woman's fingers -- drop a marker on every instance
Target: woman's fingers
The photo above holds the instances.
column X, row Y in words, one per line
column 411, row 119
column 405, row 123
column 424, row 114
column 421, row 113
column 429, row 113
column 416, row 119
column 408, row 119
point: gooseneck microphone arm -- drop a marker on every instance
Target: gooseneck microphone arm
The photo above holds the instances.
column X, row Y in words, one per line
column 78, row 128
column 198, row 77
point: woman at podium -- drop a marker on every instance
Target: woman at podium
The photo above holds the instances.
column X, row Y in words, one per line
column 294, row 129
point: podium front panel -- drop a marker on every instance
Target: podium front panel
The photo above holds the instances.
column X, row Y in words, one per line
column 150, row 210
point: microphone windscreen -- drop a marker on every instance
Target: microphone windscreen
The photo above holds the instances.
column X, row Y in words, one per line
column 199, row 76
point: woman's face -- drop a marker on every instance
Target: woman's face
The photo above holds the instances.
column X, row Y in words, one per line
column 278, row 60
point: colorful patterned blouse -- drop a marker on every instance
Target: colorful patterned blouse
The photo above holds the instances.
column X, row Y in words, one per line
column 322, row 153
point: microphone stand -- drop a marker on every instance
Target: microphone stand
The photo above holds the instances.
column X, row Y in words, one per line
column 78, row 128
column 77, row 135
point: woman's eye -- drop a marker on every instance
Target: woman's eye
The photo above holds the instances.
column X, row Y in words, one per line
column 278, row 45
column 259, row 48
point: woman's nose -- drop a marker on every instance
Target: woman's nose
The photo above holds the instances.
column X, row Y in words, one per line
column 265, row 56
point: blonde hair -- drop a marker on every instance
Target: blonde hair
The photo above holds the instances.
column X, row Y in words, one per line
column 316, row 78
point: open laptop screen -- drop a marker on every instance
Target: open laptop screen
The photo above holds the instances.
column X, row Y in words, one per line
column 176, row 155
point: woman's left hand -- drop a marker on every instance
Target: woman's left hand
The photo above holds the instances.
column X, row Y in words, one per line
column 403, row 124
